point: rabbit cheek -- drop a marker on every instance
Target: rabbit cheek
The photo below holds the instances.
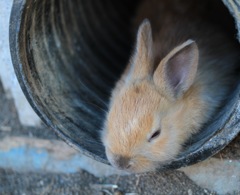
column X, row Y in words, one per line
column 142, row 164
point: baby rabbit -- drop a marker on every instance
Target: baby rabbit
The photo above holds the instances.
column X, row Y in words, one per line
column 179, row 74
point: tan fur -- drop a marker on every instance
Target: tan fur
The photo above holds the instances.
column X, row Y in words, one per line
column 144, row 100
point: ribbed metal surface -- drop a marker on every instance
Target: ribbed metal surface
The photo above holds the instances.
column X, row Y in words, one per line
column 68, row 55
column 71, row 54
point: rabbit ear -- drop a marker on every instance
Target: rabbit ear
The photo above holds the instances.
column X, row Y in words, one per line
column 176, row 72
column 141, row 64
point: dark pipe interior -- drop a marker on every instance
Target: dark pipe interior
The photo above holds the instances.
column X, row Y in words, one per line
column 68, row 55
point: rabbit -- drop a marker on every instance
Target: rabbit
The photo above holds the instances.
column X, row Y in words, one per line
column 182, row 69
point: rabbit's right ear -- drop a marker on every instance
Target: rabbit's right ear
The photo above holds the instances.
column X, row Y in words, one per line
column 176, row 72
column 141, row 63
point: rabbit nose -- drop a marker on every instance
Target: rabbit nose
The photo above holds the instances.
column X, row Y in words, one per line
column 122, row 162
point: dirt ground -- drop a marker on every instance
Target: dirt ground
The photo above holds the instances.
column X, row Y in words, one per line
column 84, row 183
column 12, row 182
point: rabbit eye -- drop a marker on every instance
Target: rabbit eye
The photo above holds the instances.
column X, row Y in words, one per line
column 154, row 135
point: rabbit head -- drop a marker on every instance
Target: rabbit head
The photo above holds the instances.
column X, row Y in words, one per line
column 146, row 120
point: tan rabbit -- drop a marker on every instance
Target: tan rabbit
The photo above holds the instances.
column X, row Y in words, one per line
column 179, row 74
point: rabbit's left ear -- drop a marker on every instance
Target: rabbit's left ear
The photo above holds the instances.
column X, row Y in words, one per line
column 176, row 72
column 141, row 63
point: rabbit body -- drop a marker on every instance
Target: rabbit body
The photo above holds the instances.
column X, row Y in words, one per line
column 180, row 72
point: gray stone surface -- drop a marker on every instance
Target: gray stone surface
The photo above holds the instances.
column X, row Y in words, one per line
column 220, row 175
column 26, row 115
